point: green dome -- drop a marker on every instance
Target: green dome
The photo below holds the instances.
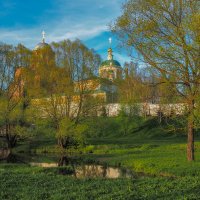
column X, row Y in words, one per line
column 113, row 63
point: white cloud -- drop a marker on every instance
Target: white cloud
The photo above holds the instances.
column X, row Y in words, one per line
column 82, row 32
column 76, row 19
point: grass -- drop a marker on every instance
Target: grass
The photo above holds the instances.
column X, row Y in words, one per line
column 154, row 159
column 149, row 149
column 22, row 182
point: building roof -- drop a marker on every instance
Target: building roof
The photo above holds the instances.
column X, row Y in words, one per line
column 114, row 63
column 41, row 45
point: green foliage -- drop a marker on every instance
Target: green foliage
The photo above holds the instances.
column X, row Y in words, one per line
column 128, row 122
column 12, row 113
column 113, row 126
column 89, row 149
column 102, row 127
column 21, row 132
column 71, row 133
column 44, row 127
column 174, row 124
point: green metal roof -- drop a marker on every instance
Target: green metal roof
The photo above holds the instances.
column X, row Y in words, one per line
column 113, row 63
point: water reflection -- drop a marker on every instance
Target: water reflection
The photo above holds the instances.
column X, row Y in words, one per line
column 94, row 171
column 70, row 166
column 84, row 170
column 45, row 165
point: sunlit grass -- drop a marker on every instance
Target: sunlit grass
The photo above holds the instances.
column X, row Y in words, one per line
column 22, row 182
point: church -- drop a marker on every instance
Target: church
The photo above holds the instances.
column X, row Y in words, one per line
column 103, row 86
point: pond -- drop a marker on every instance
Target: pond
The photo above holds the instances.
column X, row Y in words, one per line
column 76, row 166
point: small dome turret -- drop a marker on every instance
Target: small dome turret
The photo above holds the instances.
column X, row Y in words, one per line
column 43, row 43
column 110, row 69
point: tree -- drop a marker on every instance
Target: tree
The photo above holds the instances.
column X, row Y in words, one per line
column 60, row 92
column 81, row 64
column 131, row 86
column 12, row 100
column 70, row 134
column 166, row 34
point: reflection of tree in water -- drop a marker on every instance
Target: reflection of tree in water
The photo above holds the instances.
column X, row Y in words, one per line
column 127, row 173
column 80, row 169
column 91, row 171
column 64, row 162
column 104, row 167
column 103, row 171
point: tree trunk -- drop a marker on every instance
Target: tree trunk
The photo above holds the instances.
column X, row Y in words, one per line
column 62, row 142
column 11, row 142
column 190, row 143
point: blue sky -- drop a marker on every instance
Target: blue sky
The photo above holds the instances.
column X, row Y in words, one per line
column 22, row 21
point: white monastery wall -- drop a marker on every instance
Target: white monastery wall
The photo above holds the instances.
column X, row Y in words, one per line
column 147, row 109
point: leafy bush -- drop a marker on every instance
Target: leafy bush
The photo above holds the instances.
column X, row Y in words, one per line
column 70, row 134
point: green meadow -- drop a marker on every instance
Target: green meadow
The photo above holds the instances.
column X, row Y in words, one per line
column 21, row 182
column 157, row 156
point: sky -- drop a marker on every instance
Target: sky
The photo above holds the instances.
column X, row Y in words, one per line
column 22, row 21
